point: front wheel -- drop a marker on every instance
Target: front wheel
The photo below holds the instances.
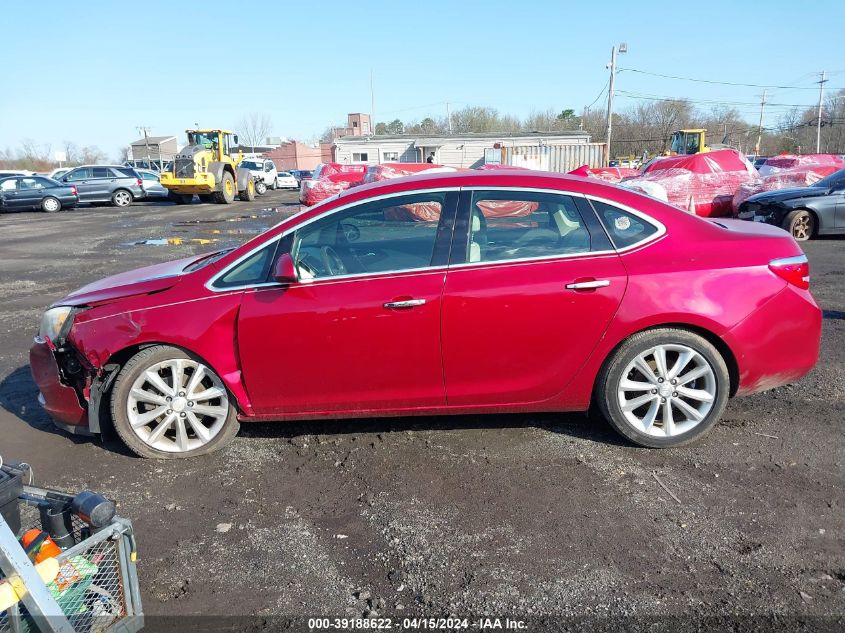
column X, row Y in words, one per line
column 801, row 224
column 663, row 387
column 260, row 187
column 167, row 404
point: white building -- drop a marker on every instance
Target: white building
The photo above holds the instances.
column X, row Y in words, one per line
column 560, row 149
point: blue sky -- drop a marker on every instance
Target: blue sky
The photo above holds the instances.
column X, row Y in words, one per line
column 92, row 71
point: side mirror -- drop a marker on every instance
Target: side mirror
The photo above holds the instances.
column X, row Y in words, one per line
column 235, row 139
column 285, row 270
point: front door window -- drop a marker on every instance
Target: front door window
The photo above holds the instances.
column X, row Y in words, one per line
column 392, row 235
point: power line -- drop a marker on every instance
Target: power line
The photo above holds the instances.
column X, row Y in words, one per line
column 713, row 81
column 635, row 95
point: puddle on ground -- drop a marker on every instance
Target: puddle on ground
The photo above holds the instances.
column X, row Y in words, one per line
column 171, row 241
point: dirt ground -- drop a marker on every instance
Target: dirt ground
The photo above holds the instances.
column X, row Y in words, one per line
column 548, row 518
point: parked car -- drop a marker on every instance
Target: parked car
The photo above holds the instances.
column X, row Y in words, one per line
column 24, row 193
column 264, row 172
column 117, row 184
column 805, row 212
column 5, row 173
column 591, row 298
column 285, row 180
column 58, row 173
column 301, row 174
column 152, row 185
column 329, row 179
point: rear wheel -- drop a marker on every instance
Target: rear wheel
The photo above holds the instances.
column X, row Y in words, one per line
column 663, row 388
column 167, row 404
column 260, row 187
column 226, row 195
column 801, row 224
column 275, row 184
column 121, row 198
column 50, row 204
column 248, row 194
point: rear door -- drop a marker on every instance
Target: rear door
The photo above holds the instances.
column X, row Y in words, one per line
column 103, row 183
column 30, row 191
column 533, row 284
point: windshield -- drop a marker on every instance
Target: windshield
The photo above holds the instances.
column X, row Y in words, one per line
column 205, row 261
column 836, row 179
column 207, row 139
column 249, row 164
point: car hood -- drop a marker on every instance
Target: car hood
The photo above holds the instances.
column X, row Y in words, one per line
column 780, row 195
column 139, row 281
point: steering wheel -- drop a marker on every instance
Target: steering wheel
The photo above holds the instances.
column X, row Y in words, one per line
column 350, row 231
column 332, row 261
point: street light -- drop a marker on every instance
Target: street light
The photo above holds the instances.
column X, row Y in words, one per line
column 623, row 48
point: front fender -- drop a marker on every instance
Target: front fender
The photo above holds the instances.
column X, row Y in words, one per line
column 208, row 332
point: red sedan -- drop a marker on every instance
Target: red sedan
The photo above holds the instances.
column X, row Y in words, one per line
column 363, row 306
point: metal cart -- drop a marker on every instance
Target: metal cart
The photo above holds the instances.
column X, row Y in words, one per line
column 96, row 588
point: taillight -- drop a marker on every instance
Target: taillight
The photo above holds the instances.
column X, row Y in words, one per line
column 73, row 190
column 139, row 182
column 795, row 270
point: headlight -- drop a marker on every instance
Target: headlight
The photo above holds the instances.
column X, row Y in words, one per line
column 56, row 322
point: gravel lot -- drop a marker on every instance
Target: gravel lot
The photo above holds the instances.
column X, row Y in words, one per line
column 521, row 516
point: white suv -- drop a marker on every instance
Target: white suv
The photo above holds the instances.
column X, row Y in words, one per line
column 264, row 172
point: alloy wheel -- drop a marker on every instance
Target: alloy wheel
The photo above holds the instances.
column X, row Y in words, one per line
column 177, row 405
column 122, row 198
column 667, row 390
column 801, row 227
column 51, row 204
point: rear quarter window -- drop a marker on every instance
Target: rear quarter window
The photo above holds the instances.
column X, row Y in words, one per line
column 624, row 228
column 126, row 171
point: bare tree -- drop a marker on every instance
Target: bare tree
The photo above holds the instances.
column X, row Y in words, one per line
column 254, row 129
column 71, row 152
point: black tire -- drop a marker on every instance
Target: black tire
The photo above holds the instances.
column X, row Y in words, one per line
column 801, row 224
column 119, row 396
column 122, row 198
column 260, row 187
column 206, row 197
column 51, row 205
column 180, row 198
column 226, row 195
column 610, row 377
column 248, row 193
column 275, row 184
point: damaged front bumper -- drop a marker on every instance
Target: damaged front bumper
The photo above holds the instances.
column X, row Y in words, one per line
column 59, row 400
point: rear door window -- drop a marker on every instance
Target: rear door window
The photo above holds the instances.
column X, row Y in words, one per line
column 509, row 225
column 102, row 172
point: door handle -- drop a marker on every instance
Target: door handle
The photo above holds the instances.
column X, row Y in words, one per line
column 588, row 285
column 408, row 303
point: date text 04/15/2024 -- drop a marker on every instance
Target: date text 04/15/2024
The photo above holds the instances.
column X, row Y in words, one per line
column 417, row 623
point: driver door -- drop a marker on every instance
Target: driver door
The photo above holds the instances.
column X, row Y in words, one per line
column 360, row 331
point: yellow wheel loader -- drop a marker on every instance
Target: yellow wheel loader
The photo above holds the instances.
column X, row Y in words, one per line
column 204, row 167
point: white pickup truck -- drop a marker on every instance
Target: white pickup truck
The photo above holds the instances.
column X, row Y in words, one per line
column 264, row 172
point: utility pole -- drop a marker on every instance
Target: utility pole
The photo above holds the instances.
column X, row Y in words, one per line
column 760, row 128
column 145, row 131
column 372, row 105
column 819, row 125
column 623, row 48
column 449, row 118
